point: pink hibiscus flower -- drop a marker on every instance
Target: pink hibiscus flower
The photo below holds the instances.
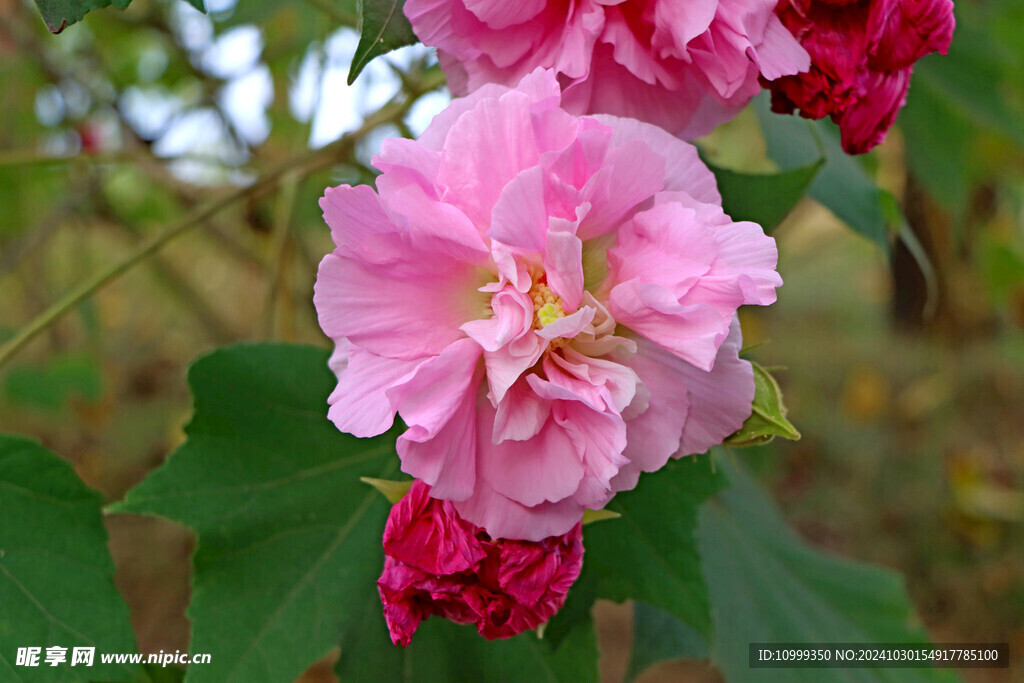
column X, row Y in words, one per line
column 685, row 66
column 547, row 301
column 436, row 563
column 862, row 56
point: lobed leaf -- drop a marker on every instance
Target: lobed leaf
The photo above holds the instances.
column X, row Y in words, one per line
column 289, row 537
column 657, row 533
column 841, row 185
column 56, row 574
column 766, row 585
column 658, row 636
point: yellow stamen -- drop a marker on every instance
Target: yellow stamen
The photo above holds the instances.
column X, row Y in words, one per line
column 547, row 306
column 548, row 313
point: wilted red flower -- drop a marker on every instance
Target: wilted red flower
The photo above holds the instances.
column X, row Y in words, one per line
column 862, row 56
column 439, row 564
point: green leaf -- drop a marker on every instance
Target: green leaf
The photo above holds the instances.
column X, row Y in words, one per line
column 657, row 535
column 50, row 386
column 767, row 585
column 382, row 28
column 931, row 127
column 658, row 636
column 288, row 534
column 768, row 416
column 842, row 185
column 56, row 574
column 59, row 14
column 444, row 651
column 764, row 198
column 974, row 79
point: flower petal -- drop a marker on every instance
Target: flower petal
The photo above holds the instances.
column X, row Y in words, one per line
column 359, row 404
column 505, row 518
column 407, row 309
column 547, row 468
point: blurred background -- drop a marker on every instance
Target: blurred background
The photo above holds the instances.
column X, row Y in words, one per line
column 907, row 381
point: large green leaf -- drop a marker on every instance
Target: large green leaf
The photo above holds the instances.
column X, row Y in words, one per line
column 444, row 651
column 975, row 78
column 382, row 28
column 961, row 115
column 59, row 14
column 842, row 185
column 763, row 198
column 658, row 636
column 766, row 585
column 287, row 532
column 56, row 574
column 650, row 553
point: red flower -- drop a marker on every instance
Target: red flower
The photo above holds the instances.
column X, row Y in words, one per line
column 439, row 564
column 862, row 55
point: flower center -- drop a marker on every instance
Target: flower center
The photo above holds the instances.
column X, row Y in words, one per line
column 547, row 306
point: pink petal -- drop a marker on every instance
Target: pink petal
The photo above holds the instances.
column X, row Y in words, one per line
column 637, row 173
column 547, row 468
column 444, row 457
column 513, row 318
column 360, row 225
column 666, row 245
column 429, row 398
column 693, row 333
column 520, row 415
column 654, row 436
column 780, row 54
column 563, row 263
column 493, row 142
column 683, row 20
column 507, row 364
column 359, row 404
column 720, row 400
column 683, row 168
column 404, row 162
column 568, row 326
column 403, row 309
column 519, row 218
column 500, row 14
column 600, row 439
column 434, row 226
column 502, row 517
column 618, row 379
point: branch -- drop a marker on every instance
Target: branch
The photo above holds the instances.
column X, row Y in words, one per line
column 301, row 165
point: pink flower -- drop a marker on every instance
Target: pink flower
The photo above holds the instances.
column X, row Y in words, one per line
column 862, row 56
column 547, row 301
column 437, row 563
column 684, row 66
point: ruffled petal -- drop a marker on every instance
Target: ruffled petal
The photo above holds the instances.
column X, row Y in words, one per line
column 359, row 404
column 446, row 459
column 402, row 310
column 547, row 468
column 505, row 518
